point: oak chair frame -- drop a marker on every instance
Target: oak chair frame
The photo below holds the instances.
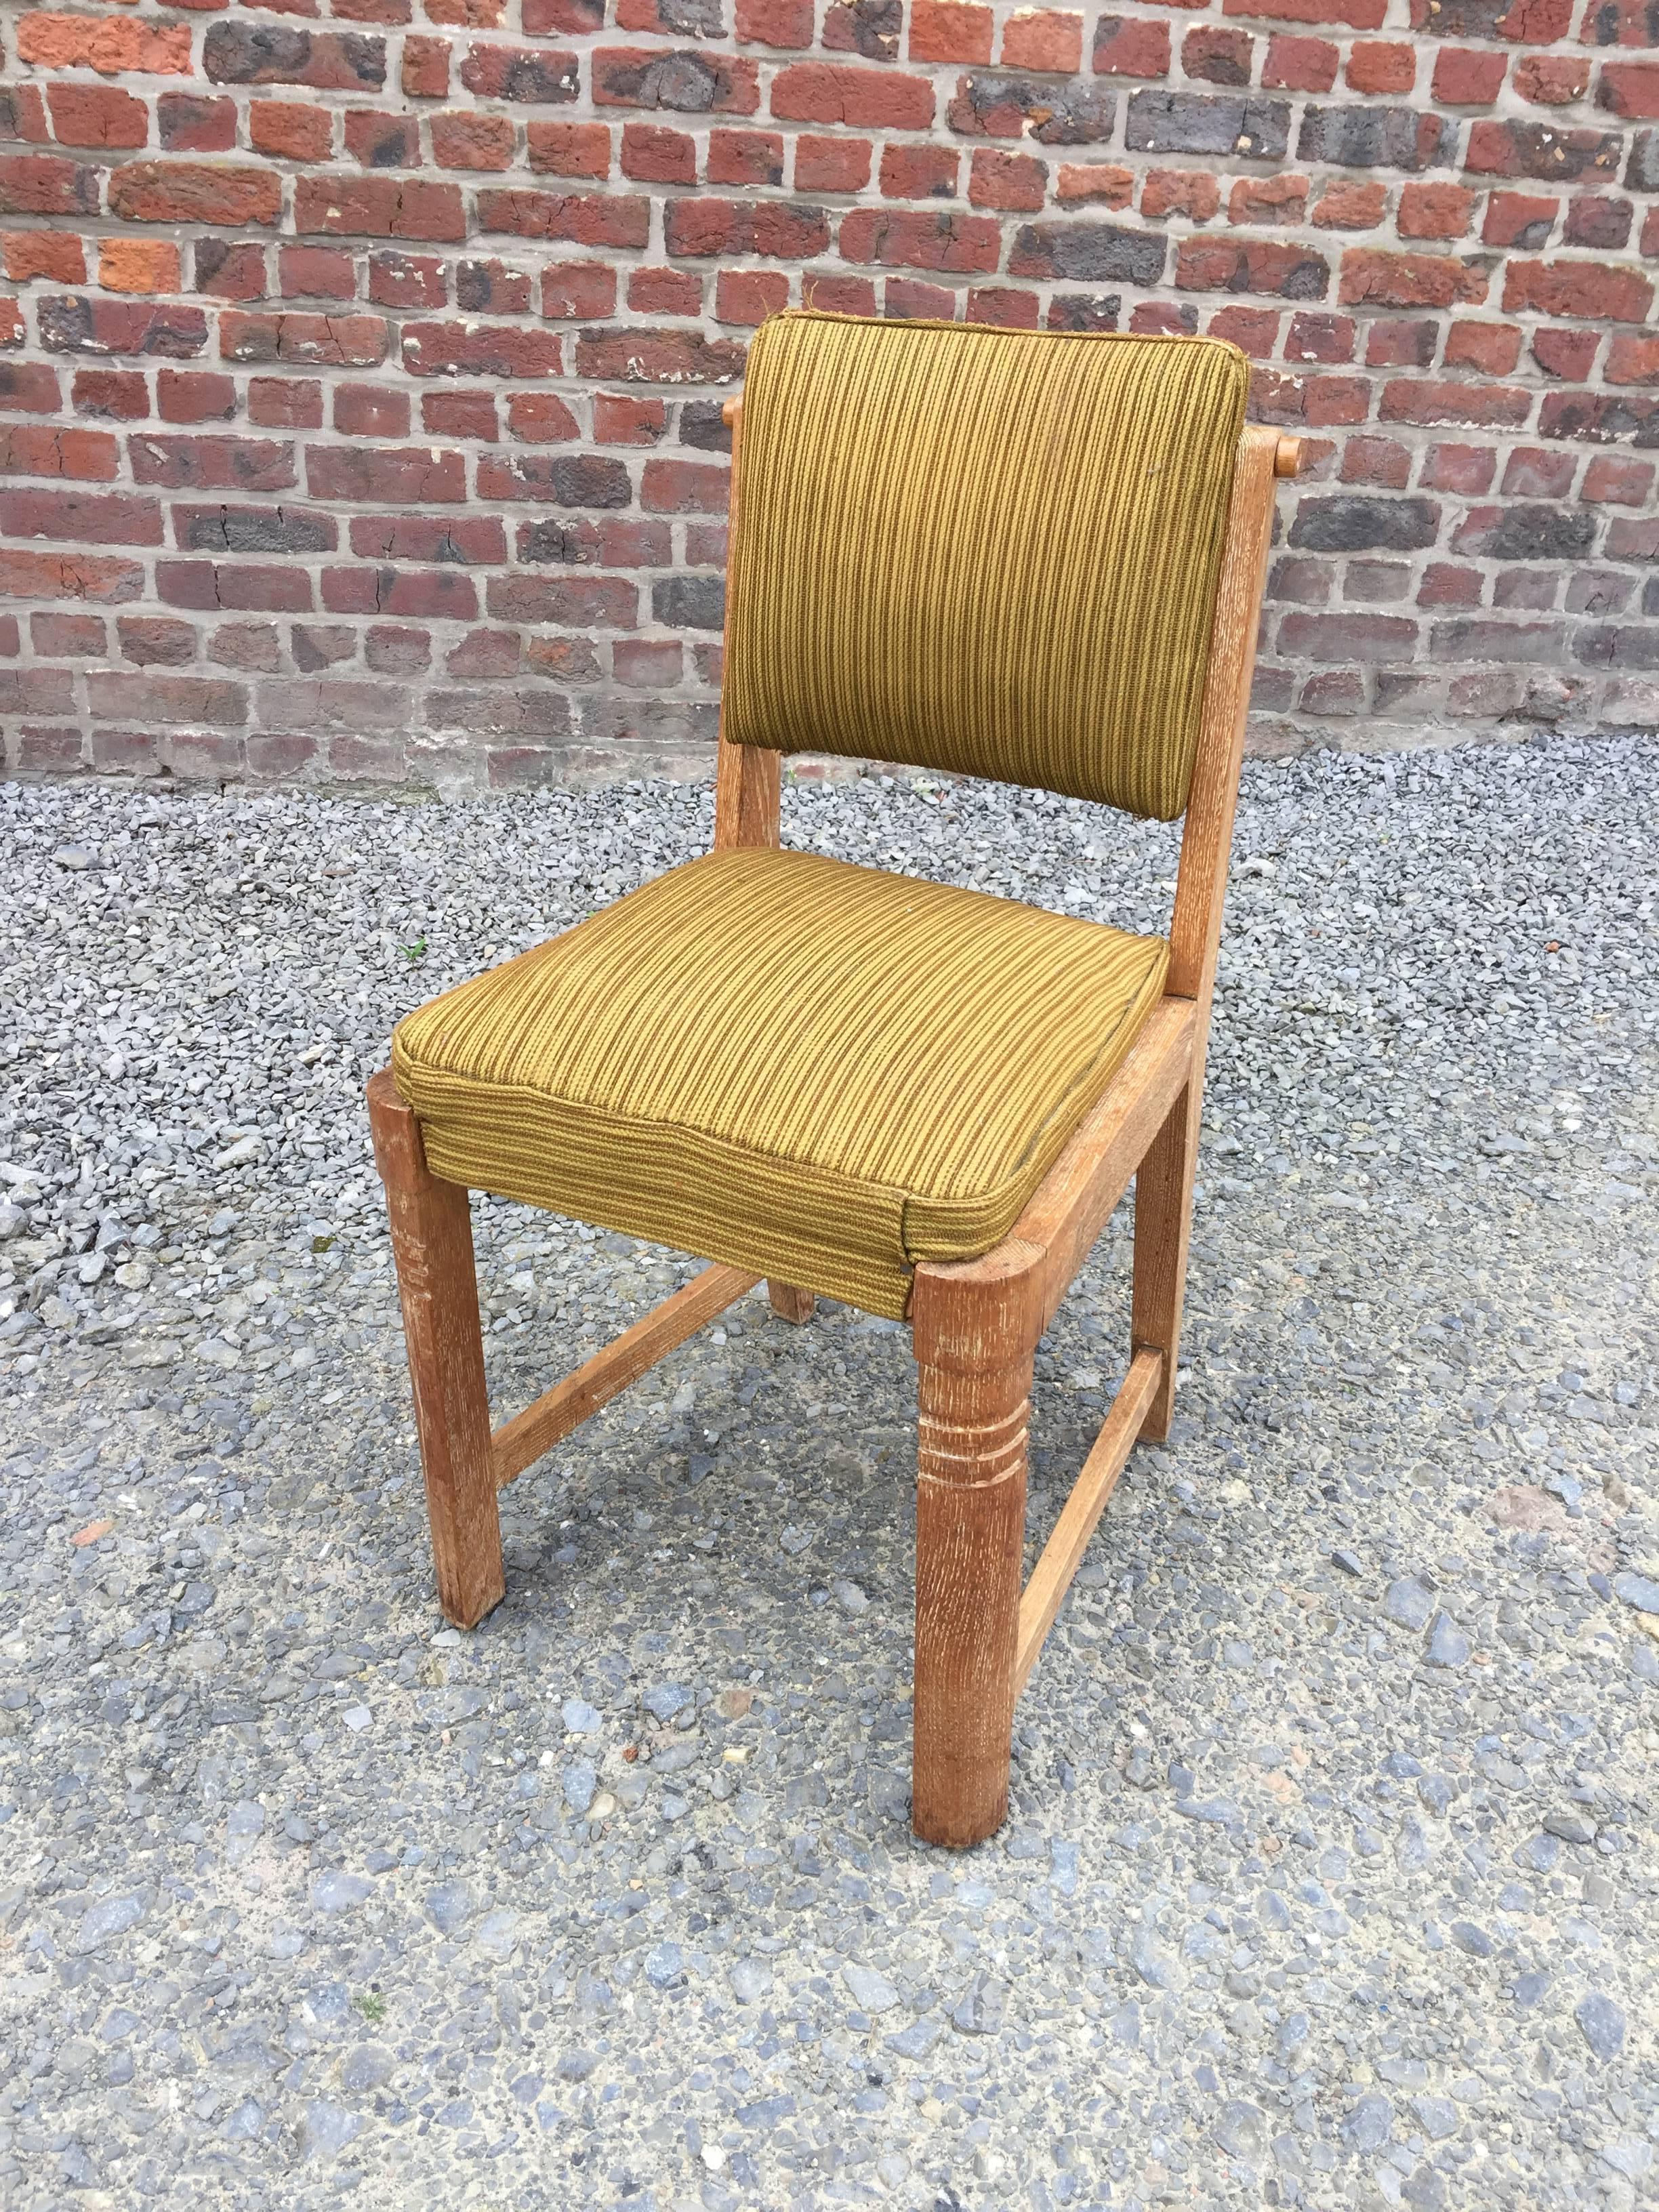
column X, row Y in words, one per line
column 975, row 1324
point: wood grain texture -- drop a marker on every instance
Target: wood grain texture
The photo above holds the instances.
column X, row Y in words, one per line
column 1063, row 1552
column 1081, row 1191
column 1206, row 840
column 748, row 779
column 970, row 1532
column 520, row 1442
column 1164, row 1184
column 790, row 1302
column 975, row 1335
column 438, row 1285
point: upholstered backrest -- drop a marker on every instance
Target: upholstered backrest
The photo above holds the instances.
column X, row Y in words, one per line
column 988, row 551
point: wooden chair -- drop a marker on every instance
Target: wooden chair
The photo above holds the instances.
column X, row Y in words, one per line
column 936, row 430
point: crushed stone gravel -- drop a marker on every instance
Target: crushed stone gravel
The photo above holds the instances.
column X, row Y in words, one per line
column 1330, row 1875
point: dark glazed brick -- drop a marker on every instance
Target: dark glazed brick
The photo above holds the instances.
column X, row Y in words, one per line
column 1085, row 253
column 1054, row 114
column 1527, row 533
column 703, row 424
column 689, row 602
column 254, row 530
column 1191, row 122
column 1375, row 137
column 1345, row 524
column 266, row 53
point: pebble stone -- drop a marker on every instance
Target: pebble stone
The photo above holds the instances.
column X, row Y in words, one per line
column 308, row 1900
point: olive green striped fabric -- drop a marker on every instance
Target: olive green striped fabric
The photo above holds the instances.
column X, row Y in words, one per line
column 819, row 1072
column 988, row 551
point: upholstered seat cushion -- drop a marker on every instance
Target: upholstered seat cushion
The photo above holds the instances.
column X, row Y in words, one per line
column 820, row 1071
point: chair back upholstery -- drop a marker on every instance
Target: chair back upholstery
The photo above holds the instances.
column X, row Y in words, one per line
column 990, row 552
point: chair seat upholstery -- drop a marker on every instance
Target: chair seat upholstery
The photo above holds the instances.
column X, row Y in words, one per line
column 820, row 1071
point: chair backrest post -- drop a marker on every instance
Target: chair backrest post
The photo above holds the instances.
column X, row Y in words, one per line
column 748, row 781
column 1208, row 836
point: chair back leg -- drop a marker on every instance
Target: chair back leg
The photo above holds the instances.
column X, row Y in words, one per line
column 438, row 1285
column 789, row 1302
column 1164, row 1217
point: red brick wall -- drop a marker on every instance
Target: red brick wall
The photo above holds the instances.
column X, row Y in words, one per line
column 361, row 370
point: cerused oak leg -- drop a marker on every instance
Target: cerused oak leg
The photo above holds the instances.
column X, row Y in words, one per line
column 976, row 1329
column 1164, row 1217
column 438, row 1283
column 789, row 1302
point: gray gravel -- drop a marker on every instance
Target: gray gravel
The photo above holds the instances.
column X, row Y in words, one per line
column 1330, row 1875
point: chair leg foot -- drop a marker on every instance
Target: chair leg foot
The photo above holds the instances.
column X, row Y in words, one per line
column 970, row 1528
column 789, row 1302
column 437, row 1283
column 1164, row 1217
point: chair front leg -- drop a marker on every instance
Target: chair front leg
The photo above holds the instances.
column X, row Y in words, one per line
column 1164, row 1220
column 438, row 1285
column 974, row 1355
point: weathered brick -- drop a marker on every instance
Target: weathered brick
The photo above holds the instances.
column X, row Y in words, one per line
column 379, row 207
column 1127, row 46
column 1349, row 523
column 1086, row 252
column 947, row 243
column 188, row 395
column 70, row 323
column 569, row 149
column 321, row 341
column 1371, row 276
column 1231, row 264
column 1492, row 348
column 96, row 115
column 371, row 410
column 916, row 173
column 1467, row 77
column 1044, row 39
column 47, row 184
column 573, row 218
column 56, row 255
column 827, row 92
column 1013, row 183
column 1103, row 182
column 1374, row 137
column 1408, row 400
column 110, row 45
column 271, row 53
column 253, row 530
column 139, row 264
column 1363, row 639
column 1216, row 55
column 195, row 191
column 413, row 476
column 39, row 449
column 1539, row 150
column 184, row 123
column 579, row 291
column 689, row 83
column 951, row 30
column 1028, row 106
column 744, row 157
column 1268, row 199
column 495, row 349
column 1577, row 288
column 657, row 357
column 532, row 76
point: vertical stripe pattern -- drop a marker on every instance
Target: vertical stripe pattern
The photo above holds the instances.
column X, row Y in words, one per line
column 993, row 552
column 814, row 1070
